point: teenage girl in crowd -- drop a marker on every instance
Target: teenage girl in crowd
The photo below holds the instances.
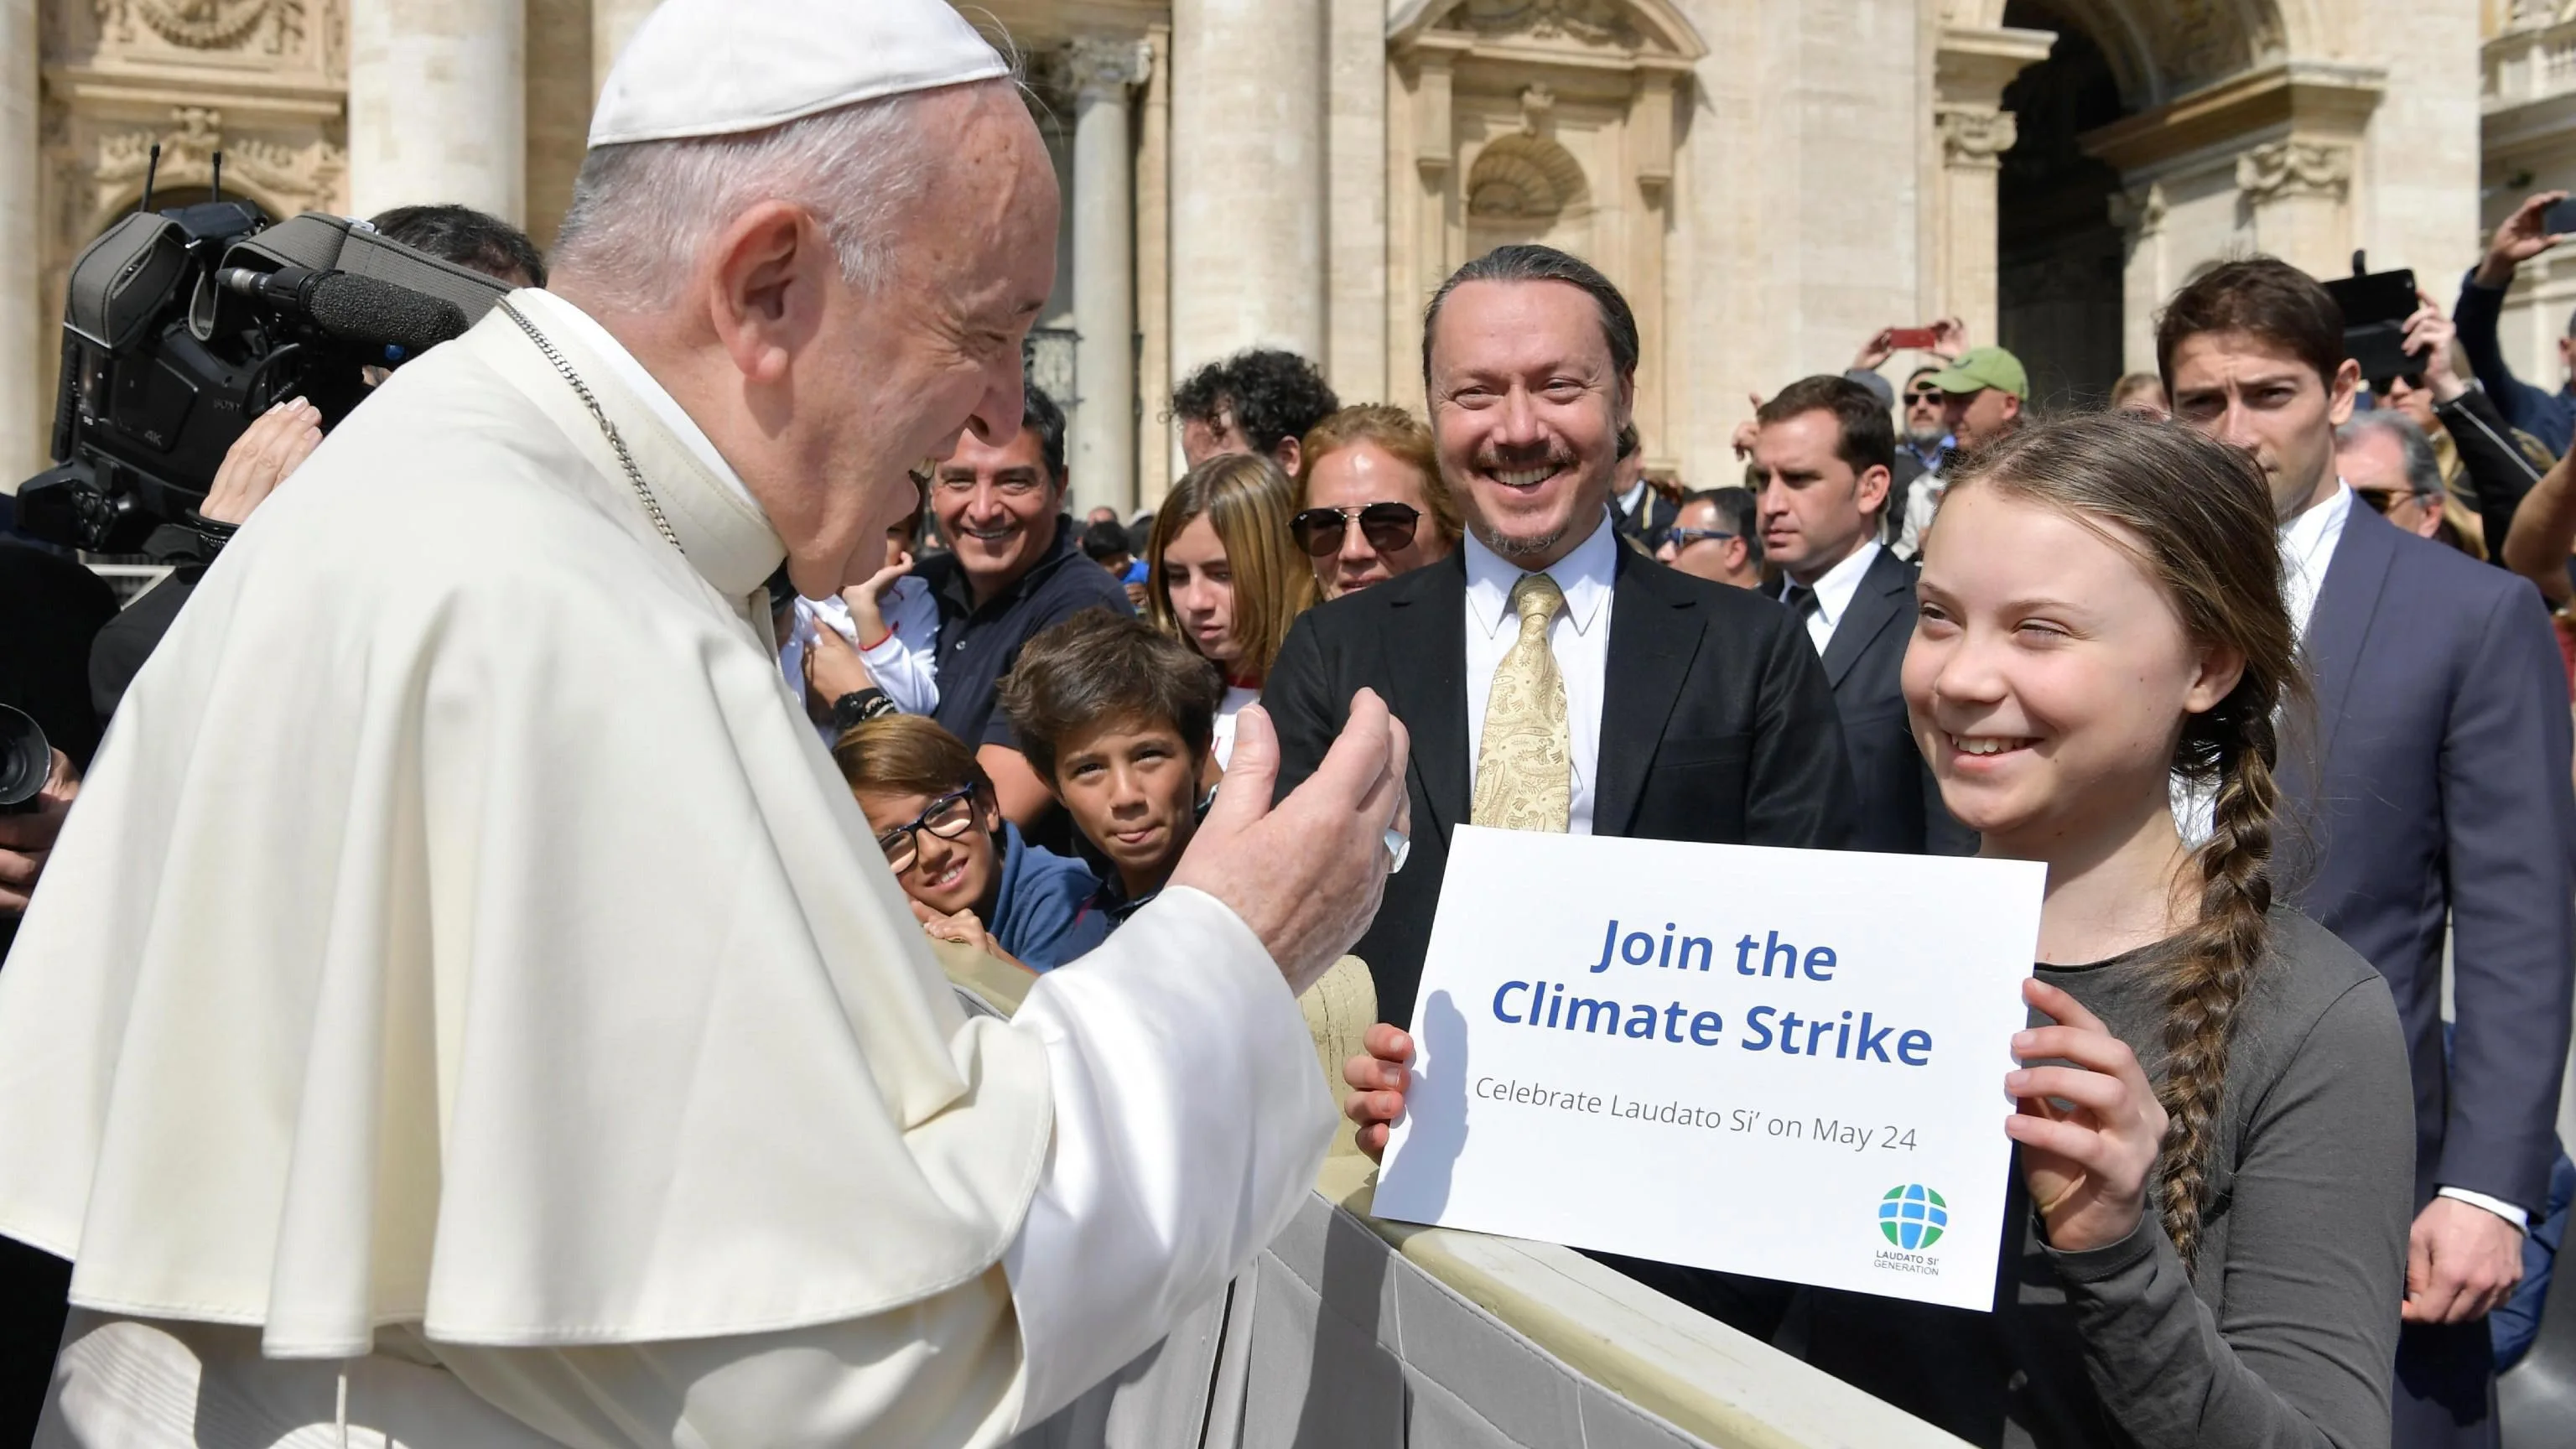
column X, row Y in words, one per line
column 2214, row 1167
column 1219, row 574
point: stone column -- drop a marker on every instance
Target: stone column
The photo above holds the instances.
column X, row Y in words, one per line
column 2145, row 279
column 438, row 105
column 24, row 334
column 1971, row 132
column 1248, row 201
column 1973, row 142
column 1355, row 212
column 611, row 22
column 1104, row 274
column 1158, row 451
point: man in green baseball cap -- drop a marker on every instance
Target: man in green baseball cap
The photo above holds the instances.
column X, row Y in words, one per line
column 1986, row 389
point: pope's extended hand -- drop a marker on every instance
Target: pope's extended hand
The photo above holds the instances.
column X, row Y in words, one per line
column 1305, row 873
column 1379, row 1078
column 2086, row 1167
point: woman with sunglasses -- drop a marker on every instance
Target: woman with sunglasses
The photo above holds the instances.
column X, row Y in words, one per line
column 969, row 875
column 1370, row 503
column 1219, row 576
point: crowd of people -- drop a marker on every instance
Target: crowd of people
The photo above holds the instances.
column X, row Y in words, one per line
column 2282, row 762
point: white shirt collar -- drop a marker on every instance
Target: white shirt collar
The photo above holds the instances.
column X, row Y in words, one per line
column 1834, row 591
column 632, row 375
column 2307, row 549
column 2313, row 528
column 1585, row 575
column 1627, row 502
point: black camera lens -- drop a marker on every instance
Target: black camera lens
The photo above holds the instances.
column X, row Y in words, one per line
column 25, row 760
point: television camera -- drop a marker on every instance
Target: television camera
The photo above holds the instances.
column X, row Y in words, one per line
column 182, row 326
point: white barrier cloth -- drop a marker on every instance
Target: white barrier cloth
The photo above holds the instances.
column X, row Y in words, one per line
column 1786, row 1063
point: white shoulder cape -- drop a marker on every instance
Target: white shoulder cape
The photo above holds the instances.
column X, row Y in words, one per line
column 461, row 927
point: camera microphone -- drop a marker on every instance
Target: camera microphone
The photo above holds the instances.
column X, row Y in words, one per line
column 353, row 308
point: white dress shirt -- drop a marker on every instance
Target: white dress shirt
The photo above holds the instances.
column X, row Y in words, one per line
column 2307, row 548
column 1834, row 593
column 1580, row 640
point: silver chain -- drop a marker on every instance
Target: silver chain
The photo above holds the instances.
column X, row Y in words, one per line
column 634, row 475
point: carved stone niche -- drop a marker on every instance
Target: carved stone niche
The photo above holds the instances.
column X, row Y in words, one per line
column 300, row 40
column 1547, row 121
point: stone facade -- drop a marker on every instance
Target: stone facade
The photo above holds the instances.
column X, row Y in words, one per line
column 1769, row 180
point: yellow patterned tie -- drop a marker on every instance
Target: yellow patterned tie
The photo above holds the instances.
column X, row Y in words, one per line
column 1524, row 770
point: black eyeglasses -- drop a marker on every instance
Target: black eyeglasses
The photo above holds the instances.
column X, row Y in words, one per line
column 1923, row 395
column 948, row 817
column 1684, row 537
column 1386, row 526
column 2381, row 500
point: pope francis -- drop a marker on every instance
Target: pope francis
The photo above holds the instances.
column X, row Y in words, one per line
column 465, row 1008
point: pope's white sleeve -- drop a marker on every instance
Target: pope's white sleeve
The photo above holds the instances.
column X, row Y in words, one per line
column 1189, row 1120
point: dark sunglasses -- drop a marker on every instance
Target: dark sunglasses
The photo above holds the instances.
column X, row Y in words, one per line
column 1684, row 537
column 2381, row 500
column 1923, row 394
column 1386, row 526
column 947, row 817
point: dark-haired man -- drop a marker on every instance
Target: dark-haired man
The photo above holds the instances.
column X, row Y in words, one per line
column 2435, row 793
column 1261, row 400
column 1822, row 450
column 1553, row 679
column 1715, row 537
column 1013, row 569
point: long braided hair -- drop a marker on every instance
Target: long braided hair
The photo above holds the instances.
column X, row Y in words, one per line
column 2197, row 515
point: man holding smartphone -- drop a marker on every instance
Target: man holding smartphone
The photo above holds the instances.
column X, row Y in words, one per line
column 2541, row 222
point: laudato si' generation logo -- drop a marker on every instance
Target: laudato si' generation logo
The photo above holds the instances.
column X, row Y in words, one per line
column 1912, row 1216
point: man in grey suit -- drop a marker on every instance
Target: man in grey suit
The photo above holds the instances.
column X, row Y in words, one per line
column 2433, row 789
column 1822, row 449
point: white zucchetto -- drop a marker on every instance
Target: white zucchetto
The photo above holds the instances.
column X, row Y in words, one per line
column 725, row 67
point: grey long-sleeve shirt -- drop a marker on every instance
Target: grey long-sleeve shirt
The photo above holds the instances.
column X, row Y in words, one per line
column 2285, row 1334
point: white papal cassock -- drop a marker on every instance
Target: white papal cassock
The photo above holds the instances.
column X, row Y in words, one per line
column 466, row 993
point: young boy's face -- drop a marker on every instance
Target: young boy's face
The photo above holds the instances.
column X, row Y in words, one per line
column 1132, row 788
column 952, row 862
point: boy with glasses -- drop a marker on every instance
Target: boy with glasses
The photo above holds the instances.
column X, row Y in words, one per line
column 969, row 875
column 1118, row 718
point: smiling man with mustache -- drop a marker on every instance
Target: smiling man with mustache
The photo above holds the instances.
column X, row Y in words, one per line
column 1552, row 679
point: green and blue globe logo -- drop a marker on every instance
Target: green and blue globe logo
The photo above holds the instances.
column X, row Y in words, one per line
column 1913, row 1216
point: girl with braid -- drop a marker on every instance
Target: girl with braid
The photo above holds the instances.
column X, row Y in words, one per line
column 2214, row 1122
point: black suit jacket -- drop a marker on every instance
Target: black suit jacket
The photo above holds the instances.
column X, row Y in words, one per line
column 1716, row 725
column 1900, row 807
column 2433, row 785
column 1652, row 519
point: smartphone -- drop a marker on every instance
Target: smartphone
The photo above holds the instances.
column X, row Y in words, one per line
column 2375, row 308
column 1918, row 339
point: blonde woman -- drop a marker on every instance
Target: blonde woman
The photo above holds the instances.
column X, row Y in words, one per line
column 1370, row 503
column 1219, row 574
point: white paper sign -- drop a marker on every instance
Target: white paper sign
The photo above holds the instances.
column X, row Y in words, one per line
column 1786, row 1063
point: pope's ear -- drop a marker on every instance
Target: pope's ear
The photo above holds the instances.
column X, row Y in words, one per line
column 765, row 287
